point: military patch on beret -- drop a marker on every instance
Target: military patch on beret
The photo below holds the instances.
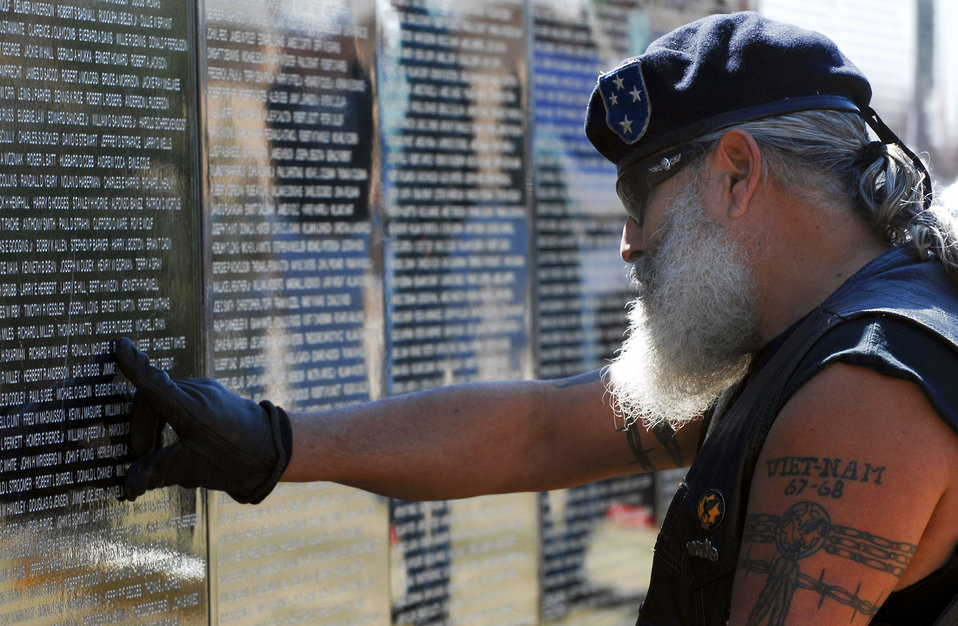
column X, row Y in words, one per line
column 626, row 100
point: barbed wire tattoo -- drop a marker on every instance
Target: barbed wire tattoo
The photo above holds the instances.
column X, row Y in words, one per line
column 805, row 528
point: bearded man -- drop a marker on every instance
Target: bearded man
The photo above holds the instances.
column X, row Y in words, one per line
column 794, row 338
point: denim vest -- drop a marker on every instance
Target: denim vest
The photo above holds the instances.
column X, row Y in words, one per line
column 693, row 567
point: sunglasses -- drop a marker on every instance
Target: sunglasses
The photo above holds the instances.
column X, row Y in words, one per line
column 635, row 184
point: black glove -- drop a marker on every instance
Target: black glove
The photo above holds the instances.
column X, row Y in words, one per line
column 225, row 442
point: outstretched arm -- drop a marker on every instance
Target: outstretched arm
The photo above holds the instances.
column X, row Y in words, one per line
column 477, row 439
column 445, row 443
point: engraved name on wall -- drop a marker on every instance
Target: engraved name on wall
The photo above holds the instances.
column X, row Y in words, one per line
column 457, row 282
column 295, row 293
column 96, row 227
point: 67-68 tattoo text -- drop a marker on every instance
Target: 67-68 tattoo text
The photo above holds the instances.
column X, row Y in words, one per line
column 824, row 488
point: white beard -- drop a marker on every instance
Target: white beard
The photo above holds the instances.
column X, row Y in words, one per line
column 691, row 326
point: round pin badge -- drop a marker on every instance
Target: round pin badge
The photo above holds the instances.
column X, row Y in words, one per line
column 711, row 509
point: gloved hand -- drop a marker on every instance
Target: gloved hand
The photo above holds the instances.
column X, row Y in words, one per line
column 225, row 442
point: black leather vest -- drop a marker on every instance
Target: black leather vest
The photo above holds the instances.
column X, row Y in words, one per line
column 693, row 567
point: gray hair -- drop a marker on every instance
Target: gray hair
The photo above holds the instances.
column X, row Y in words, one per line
column 826, row 159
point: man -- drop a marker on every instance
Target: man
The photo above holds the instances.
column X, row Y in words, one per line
column 795, row 338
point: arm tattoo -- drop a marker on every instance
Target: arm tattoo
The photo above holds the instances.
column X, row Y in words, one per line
column 857, row 545
column 634, row 437
column 825, row 476
column 666, row 438
column 664, row 433
column 804, row 529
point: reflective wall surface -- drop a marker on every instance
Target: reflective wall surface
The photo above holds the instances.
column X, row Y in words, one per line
column 317, row 202
column 98, row 228
column 295, row 294
column 457, row 282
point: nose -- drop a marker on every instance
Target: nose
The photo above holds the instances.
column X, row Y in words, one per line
column 631, row 247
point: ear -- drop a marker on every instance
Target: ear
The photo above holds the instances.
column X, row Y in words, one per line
column 736, row 164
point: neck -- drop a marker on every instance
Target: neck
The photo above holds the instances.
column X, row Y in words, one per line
column 806, row 262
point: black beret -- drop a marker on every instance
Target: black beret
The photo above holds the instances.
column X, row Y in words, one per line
column 715, row 72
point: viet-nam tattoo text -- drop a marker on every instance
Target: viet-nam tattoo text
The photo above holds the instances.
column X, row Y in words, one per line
column 804, row 529
column 827, row 477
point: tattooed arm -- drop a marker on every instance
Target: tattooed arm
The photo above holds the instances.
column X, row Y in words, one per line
column 477, row 439
column 854, row 496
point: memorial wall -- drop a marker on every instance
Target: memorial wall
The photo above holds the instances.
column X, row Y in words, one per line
column 294, row 298
column 319, row 203
column 99, row 236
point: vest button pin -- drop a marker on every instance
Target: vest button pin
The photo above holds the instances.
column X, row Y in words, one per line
column 711, row 509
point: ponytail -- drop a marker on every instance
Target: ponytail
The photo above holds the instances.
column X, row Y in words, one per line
column 890, row 190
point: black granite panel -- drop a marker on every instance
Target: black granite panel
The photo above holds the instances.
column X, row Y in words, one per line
column 98, row 238
column 581, row 302
column 454, row 134
column 295, row 298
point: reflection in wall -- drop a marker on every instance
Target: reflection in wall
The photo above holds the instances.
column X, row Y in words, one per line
column 294, row 298
column 457, row 282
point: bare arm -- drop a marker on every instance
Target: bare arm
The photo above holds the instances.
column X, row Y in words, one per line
column 853, row 498
column 481, row 438
column 447, row 443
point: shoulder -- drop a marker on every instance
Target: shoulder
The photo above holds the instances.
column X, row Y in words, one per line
column 858, row 478
column 893, row 346
column 859, row 410
column 894, row 453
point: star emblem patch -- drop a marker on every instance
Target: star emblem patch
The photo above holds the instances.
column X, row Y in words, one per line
column 626, row 102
